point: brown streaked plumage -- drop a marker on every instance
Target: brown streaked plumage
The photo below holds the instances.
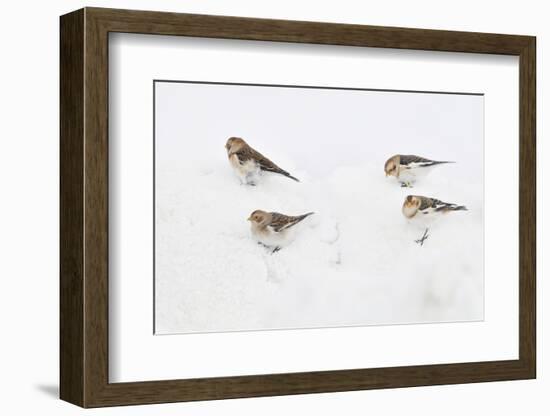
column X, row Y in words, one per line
column 270, row 228
column 248, row 162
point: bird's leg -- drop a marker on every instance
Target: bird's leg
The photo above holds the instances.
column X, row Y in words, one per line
column 250, row 179
column 273, row 250
column 423, row 238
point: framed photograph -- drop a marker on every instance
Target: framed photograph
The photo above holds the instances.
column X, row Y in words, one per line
column 255, row 207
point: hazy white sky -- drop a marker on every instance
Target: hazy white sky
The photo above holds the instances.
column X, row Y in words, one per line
column 316, row 130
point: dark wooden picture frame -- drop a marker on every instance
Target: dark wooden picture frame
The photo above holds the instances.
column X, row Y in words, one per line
column 84, row 207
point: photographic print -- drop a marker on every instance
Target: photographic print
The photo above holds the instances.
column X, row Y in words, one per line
column 294, row 207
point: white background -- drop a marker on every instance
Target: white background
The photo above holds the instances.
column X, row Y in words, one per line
column 29, row 167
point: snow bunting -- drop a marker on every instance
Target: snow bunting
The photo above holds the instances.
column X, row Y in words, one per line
column 249, row 163
column 271, row 228
column 423, row 209
column 408, row 168
column 418, row 206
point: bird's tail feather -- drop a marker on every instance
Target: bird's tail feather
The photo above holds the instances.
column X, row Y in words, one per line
column 459, row 208
column 303, row 217
column 274, row 169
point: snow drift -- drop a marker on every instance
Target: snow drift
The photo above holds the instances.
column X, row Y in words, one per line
column 354, row 262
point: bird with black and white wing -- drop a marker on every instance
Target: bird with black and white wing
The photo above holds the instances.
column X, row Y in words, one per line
column 249, row 164
column 272, row 229
column 424, row 210
column 408, row 169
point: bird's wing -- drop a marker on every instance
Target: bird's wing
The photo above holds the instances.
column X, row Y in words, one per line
column 441, row 206
column 280, row 222
column 263, row 162
column 269, row 166
column 413, row 161
column 246, row 154
column 249, row 154
column 426, row 204
column 432, row 205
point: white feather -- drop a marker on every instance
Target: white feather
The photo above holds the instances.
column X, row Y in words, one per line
column 248, row 172
column 271, row 238
column 414, row 172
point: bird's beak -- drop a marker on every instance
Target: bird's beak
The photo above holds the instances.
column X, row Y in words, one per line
column 249, row 219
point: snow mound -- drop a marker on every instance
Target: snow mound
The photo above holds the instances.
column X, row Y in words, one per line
column 354, row 262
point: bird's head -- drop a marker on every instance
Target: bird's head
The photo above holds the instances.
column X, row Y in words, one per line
column 411, row 205
column 234, row 143
column 391, row 168
column 259, row 217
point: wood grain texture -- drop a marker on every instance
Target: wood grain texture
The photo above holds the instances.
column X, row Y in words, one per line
column 96, row 208
column 84, row 207
column 71, row 213
column 162, row 23
column 528, row 207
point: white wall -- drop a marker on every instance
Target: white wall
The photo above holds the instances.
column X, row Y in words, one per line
column 29, row 209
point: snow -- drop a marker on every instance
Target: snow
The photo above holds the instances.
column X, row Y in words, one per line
column 355, row 261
